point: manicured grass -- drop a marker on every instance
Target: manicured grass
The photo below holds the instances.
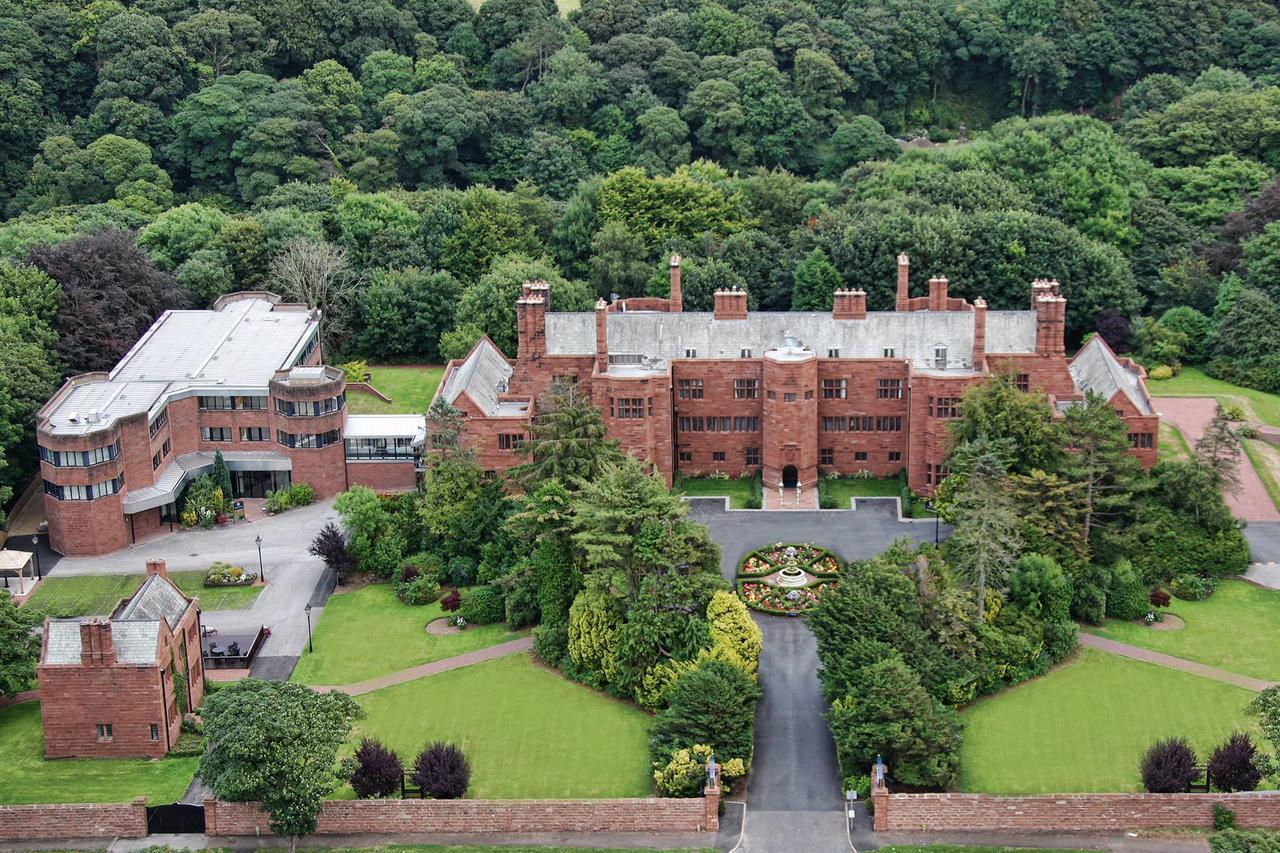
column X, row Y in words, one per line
column 1086, row 725
column 29, row 778
column 1173, row 444
column 93, row 595
column 368, row 632
column 846, row 488
column 1265, row 459
column 1192, row 382
column 527, row 731
column 737, row 491
column 410, row 390
column 1234, row 629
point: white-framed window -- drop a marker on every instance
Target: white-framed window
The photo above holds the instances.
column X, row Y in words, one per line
column 104, row 732
column 940, row 356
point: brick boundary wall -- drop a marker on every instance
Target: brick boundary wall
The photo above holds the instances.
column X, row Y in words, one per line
column 366, row 388
column 1065, row 812
column 400, row 817
column 74, row 820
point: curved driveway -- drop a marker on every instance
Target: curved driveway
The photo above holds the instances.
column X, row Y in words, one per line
column 793, row 802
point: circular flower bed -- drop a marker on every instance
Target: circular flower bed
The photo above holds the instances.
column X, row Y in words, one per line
column 787, row 602
column 787, row 579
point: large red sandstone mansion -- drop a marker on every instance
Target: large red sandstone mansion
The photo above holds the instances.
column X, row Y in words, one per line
column 790, row 394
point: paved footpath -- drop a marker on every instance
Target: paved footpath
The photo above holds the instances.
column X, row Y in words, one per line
column 514, row 647
column 1138, row 653
column 1190, row 415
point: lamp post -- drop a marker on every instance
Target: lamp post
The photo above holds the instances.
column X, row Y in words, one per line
column 35, row 552
column 310, row 646
column 933, row 508
column 262, row 572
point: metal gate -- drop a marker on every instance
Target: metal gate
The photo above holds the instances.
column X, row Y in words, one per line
column 178, row 818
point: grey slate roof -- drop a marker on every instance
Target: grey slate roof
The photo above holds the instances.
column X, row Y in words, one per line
column 1095, row 368
column 157, row 598
column 135, row 642
column 135, row 625
column 482, row 376
column 912, row 335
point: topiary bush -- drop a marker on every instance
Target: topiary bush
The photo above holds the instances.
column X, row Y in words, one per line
column 330, row 545
column 1168, row 767
column 461, row 571
column 450, row 601
column 1234, row 765
column 1127, row 595
column 378, row 772
column 482, row 605
column 1192, row 587
column 442, row 771
column 423, row 589
column 1160, row 373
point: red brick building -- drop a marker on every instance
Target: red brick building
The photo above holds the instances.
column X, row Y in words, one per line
column 117, row 687
column 246, row 378
column 787, row 393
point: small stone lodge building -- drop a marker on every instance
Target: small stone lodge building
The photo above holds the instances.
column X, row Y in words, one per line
column 247, row 378
column 790, row 394
column 117, row 687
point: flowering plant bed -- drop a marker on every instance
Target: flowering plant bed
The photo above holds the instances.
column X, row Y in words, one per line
column 779, row 600
column 221, row 574
column 765, row 561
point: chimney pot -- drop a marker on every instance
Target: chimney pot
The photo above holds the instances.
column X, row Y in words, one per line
column 157, row 567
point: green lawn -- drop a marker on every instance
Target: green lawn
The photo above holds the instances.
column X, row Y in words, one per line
column 738, row 491
column 29, row 778
column 92, row 595
column 846, row 488
column 368, row 632
column 1234, row 629
column 1173, row 444
column 1192, row 382
column 527, row 731
column 410, row 390
column 1086, row 725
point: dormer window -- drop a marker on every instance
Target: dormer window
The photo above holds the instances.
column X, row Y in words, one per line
column 940, row 357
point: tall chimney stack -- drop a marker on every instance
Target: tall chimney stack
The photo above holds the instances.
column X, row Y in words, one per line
column 904, row 282
column 602, row 336
column 675, row 300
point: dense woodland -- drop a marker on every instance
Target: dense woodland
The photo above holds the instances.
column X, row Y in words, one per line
column 405, row 164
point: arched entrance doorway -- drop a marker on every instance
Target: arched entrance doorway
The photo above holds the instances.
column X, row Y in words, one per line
column 790, row 476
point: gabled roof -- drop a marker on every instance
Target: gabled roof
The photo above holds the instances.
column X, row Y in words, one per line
column 157, row 598
column 483, row 375
column 135, row 625
column 1096, row 368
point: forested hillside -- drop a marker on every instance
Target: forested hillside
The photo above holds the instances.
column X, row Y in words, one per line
column 405, row 164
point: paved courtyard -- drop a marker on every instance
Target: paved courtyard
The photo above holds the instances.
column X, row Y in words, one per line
column 853, row 534
column 294, row 577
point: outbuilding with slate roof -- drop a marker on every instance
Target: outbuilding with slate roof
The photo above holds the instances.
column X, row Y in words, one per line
column 118, row 685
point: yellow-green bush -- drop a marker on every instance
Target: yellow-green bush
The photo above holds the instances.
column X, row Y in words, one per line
column 734, row 631
column 593, row 634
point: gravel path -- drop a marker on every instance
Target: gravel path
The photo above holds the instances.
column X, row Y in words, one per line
column 514, row 647
column 1138, row 653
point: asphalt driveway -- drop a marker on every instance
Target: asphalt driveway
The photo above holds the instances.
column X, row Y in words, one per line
column 853, row 534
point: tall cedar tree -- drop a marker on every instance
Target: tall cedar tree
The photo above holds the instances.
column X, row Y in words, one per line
column 568, row 439
column 629, row 525
column 1100, row 464
column 1218, row 452
column 986, row 542
column 111, row 294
